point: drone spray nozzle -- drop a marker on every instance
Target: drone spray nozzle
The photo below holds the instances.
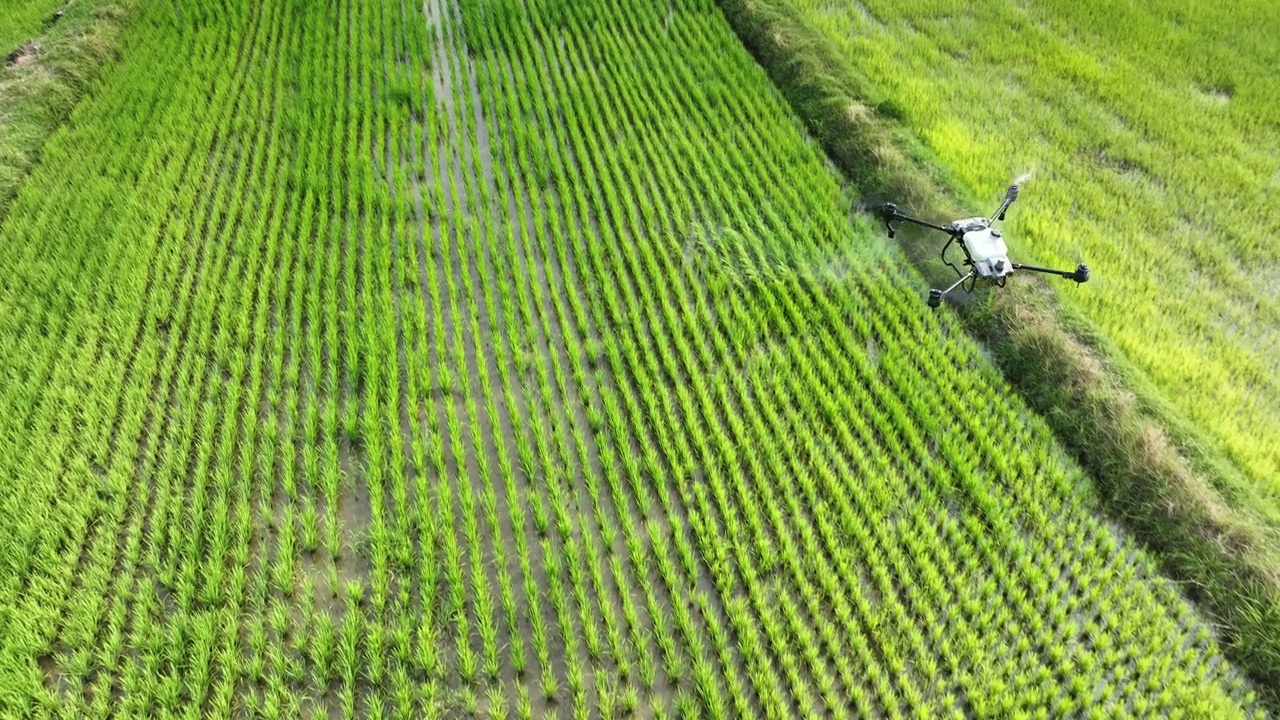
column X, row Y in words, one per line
column 1010, row 195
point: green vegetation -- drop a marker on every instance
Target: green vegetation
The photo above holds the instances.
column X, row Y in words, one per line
column 50, row 64
column 509, row 358
column 1165, row 477
column 23, row 20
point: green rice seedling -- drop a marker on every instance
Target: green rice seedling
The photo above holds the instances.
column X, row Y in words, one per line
column 380, row 591
column 375, row 653
column 548, row 684
column 322, row 650
column 524, row 706
column 672, row 663
column 404, row 694
column 467, row 659
column 506, row 597
column 518, row 658
column 347, row 701
column 353, row 592
column 402, row 641
column 427, row 656
column 488, row 631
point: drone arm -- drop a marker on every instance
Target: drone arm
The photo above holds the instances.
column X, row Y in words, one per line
column 924, row 223
column 1080, row 274
column 891, row 215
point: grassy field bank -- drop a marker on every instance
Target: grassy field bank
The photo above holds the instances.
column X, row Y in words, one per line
column 23, row 20
column 48, row 64
column 1166, row 476
column 514, row 359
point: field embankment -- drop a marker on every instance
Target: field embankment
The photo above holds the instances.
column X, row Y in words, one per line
column 1212, row 529
column 51, row 50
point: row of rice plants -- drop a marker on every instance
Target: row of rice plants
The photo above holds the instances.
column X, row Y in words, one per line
column 551, row 304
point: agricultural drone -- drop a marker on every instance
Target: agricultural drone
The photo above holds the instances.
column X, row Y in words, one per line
column 984, row 250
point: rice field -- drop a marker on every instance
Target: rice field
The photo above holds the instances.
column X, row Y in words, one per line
column 513, row 359
column 1147, row 138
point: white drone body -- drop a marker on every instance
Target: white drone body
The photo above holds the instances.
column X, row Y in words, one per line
column 984, row 249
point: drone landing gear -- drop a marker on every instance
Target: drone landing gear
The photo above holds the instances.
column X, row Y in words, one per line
column 1079, row 275
column 935, row 295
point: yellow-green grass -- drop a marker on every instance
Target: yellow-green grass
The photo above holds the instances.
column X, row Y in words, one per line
column 23, row 20
column 509, row 358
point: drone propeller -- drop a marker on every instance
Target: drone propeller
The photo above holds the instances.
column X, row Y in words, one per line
column 880, row 208
column 873, row 205
column 1016, row 184
column 1082, row 262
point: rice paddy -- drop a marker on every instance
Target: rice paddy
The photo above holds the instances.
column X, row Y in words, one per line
column 513, row 359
